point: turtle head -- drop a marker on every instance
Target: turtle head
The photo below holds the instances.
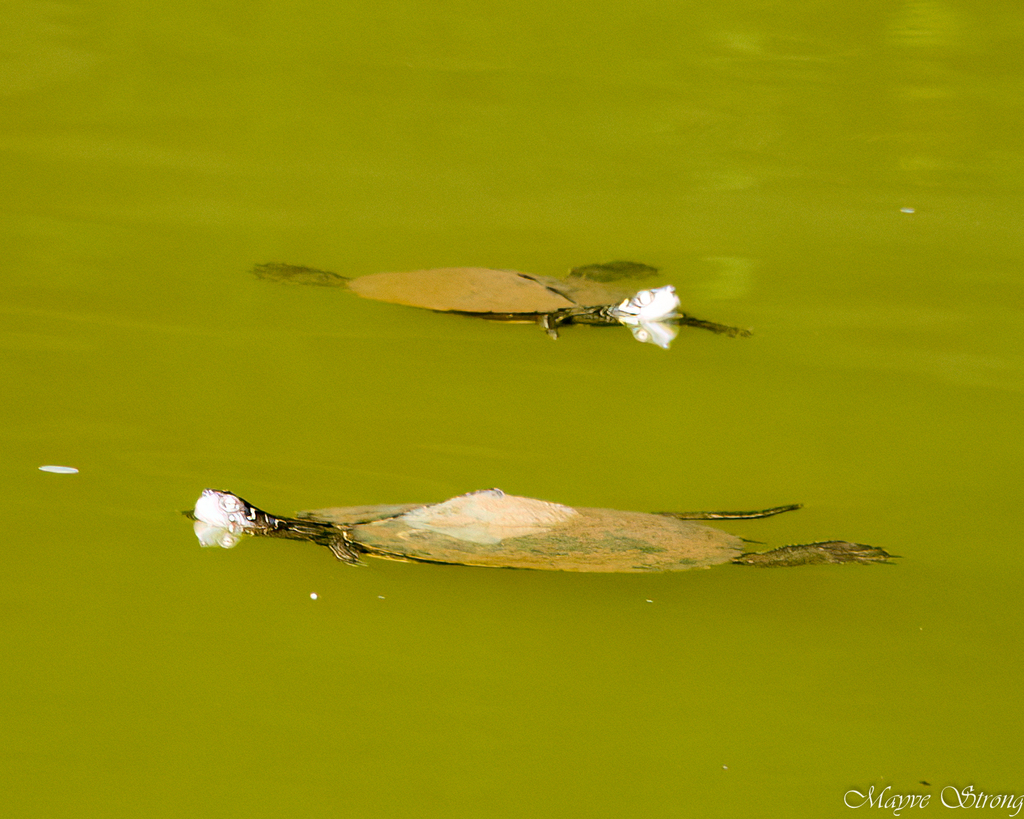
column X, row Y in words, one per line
column 224, row 509
column 222, row 517
column 659, row 304
column 647, row 313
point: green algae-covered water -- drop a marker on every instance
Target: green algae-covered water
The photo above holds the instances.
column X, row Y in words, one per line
column 845, row 179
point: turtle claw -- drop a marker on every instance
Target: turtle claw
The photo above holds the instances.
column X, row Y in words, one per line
column 550, row 322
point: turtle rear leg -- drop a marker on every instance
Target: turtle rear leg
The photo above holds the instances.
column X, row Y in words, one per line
column 830, row 551
column 296, row 274
column 760, row 513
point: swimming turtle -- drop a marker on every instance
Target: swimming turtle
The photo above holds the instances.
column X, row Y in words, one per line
column 583, row 297
column 491, row 528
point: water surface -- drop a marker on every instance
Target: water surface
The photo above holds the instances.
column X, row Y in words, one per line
column 844, row 179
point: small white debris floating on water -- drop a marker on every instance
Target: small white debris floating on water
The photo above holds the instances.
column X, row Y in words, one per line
column 313, row 596
column 907, row 210
column 60, row 470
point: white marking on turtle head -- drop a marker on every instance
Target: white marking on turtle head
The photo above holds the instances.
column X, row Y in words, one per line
column 222, row 509
column 648, row 305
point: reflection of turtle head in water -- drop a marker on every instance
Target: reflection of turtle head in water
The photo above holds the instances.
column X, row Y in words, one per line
column 490, row 528
column 583, row 297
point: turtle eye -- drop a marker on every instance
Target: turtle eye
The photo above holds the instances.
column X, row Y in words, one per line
column 230, row 503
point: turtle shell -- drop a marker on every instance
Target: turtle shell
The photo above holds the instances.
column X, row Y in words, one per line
column 490, row 528
column 482, row 290
column 477, row 290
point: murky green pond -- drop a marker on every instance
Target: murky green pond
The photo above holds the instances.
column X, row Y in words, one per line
column 845, row 179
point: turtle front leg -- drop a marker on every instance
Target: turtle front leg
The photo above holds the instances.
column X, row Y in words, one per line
column 714, row 327
column 551, row 322
column 342, row 547
column 574, row 315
